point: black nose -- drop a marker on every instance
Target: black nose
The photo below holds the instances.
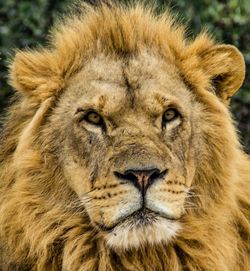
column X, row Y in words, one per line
column 141, row 178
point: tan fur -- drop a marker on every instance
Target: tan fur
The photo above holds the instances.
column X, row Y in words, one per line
column 56, row 171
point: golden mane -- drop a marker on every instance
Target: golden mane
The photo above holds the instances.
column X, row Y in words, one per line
column 37, row 233
column 118, row 29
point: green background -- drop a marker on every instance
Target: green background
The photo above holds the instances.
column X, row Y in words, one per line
column 26, row 23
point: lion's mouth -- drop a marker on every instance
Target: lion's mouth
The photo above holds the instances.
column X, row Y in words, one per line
column 140, row 218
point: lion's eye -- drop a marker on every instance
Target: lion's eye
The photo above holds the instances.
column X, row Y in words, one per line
column 170, row 115
column 93, row 118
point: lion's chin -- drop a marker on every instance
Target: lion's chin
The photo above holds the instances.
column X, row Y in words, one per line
column 137, row 231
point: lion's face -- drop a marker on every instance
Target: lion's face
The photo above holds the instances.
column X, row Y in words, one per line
column 127, row 126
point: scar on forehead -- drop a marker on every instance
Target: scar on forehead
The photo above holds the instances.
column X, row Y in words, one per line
column 161, row 99
column 102, row 102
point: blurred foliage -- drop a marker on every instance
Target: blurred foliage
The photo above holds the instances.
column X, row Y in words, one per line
column 25, row 23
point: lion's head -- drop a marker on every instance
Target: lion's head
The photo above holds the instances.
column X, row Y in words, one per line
column 126, row 144
column 131, row 128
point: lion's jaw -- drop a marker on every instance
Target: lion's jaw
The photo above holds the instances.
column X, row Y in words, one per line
column 136, row 232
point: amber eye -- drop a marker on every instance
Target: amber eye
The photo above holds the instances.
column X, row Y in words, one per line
column 170, row 115
column 93, row 118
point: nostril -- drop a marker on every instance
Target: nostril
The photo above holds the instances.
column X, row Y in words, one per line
column 157, row 174
column 126, row 176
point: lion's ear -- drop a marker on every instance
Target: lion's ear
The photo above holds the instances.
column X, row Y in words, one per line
column 225, row 66
column 34, row 73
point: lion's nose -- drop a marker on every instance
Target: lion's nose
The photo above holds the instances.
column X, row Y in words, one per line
column 141, row 178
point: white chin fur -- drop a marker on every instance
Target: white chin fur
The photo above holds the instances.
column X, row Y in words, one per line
column 126, row 236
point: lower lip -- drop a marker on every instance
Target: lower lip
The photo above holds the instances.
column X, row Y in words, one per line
column 141, row 217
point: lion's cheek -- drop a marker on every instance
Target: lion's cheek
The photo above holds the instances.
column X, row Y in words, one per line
column 77, row 179
column 168, row 201
column 111, row 207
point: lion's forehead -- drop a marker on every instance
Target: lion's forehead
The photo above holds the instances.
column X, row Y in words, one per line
column 114, row 84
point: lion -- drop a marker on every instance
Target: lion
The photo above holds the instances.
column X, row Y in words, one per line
column 119, row 151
